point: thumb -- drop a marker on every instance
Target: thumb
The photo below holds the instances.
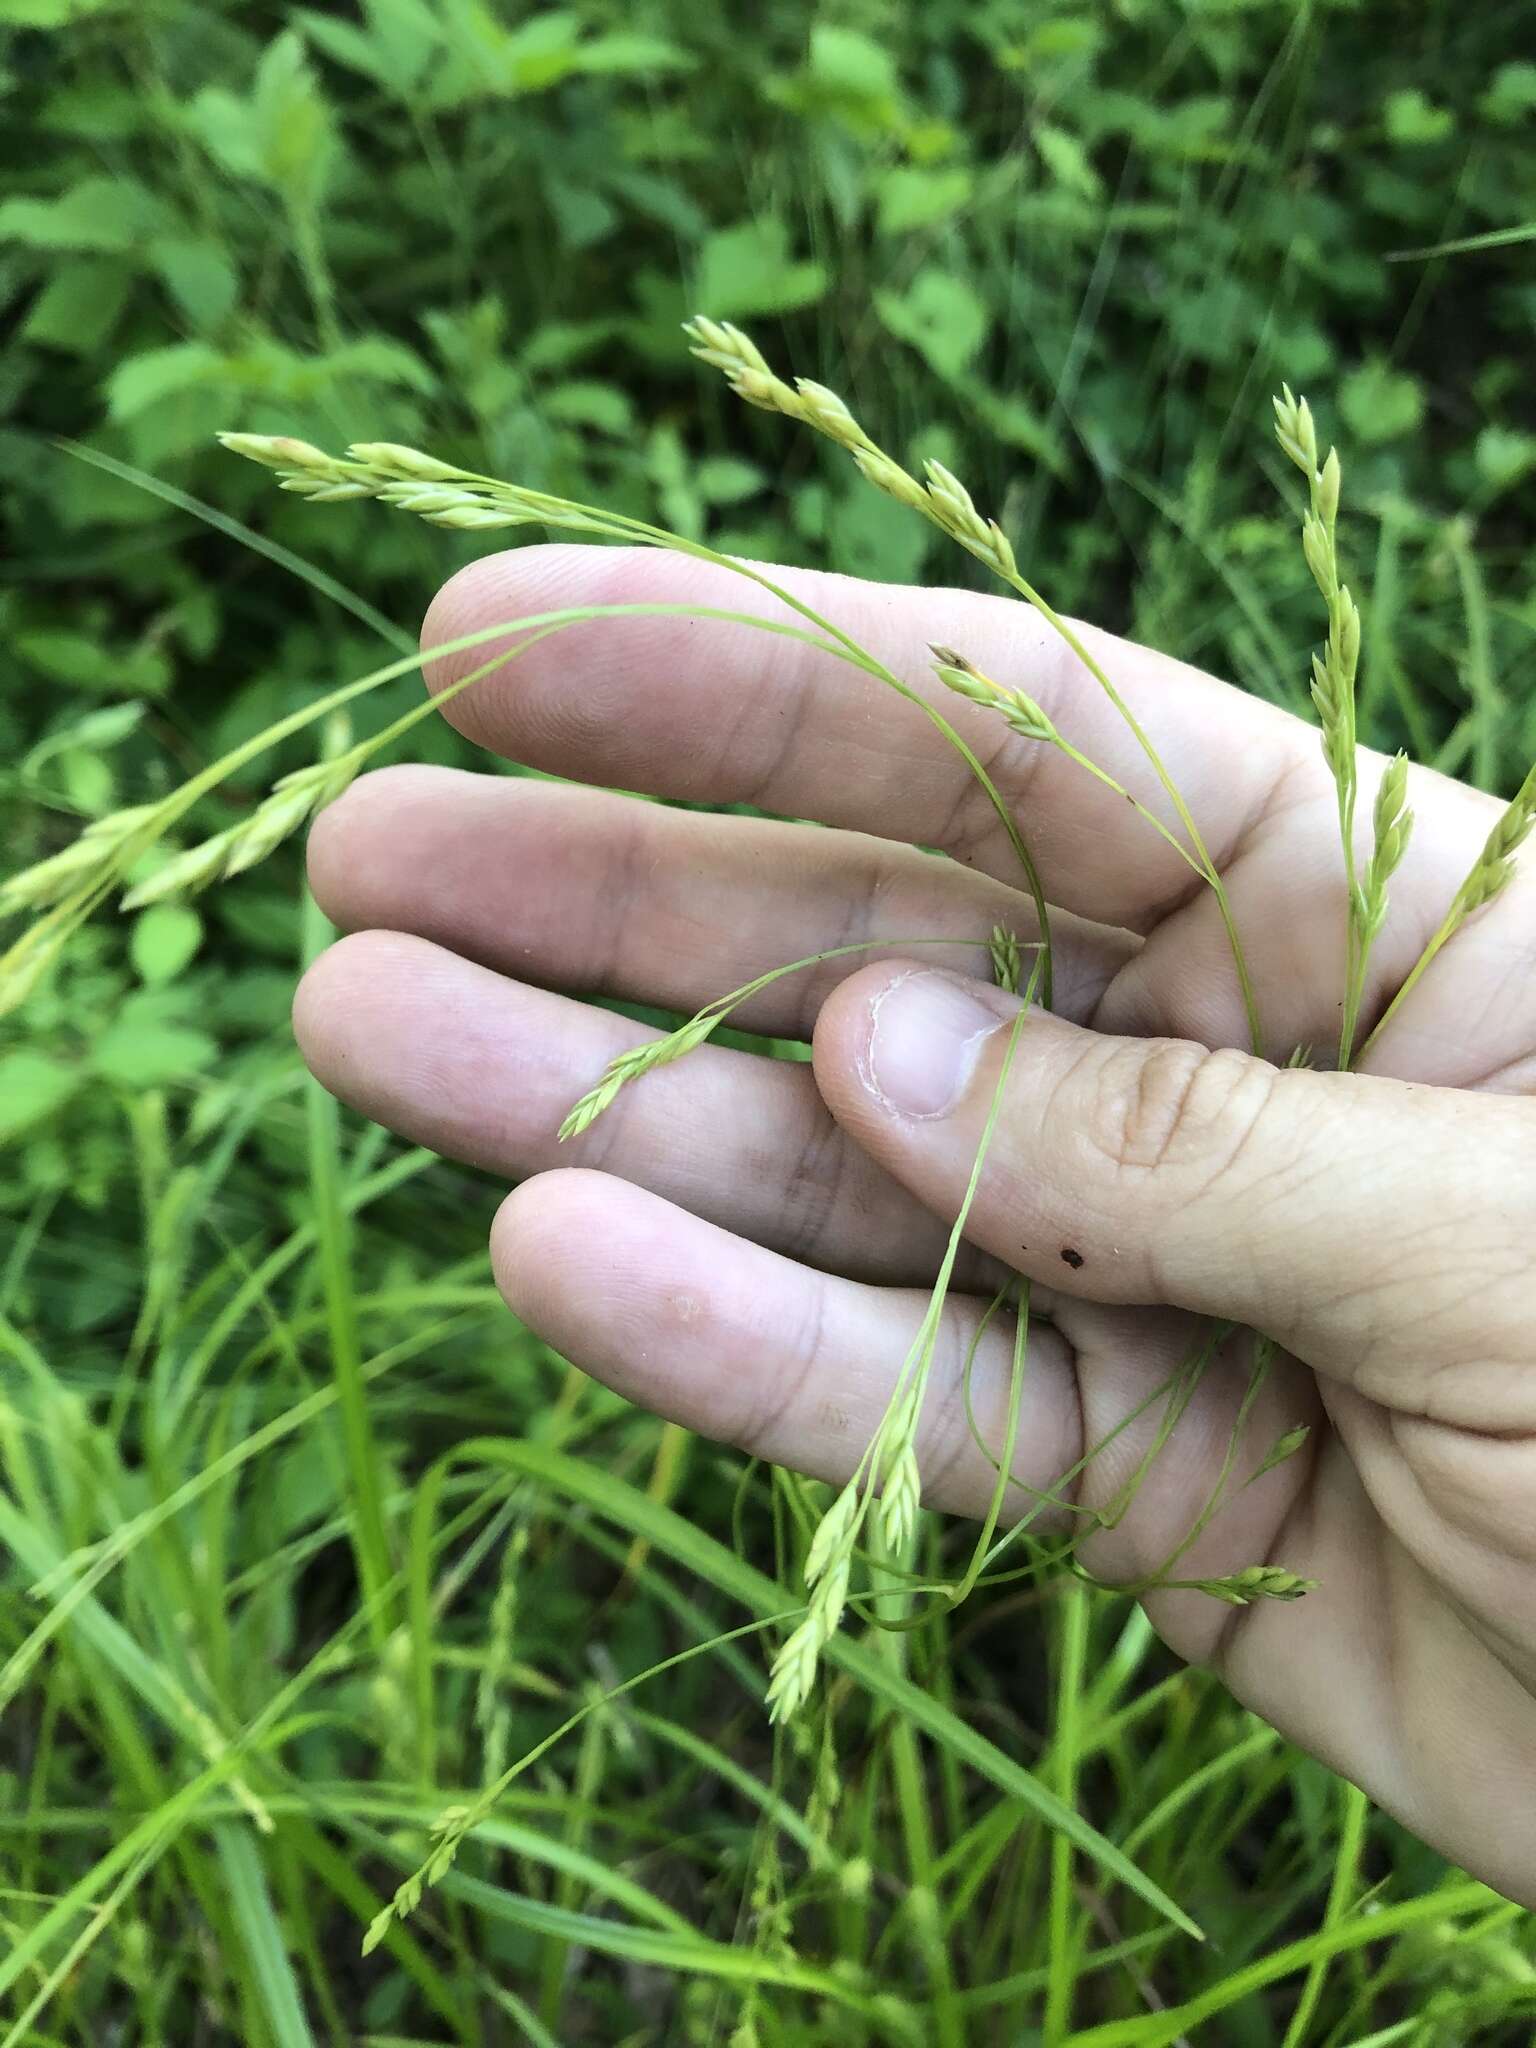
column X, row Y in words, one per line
column 1379, row 1229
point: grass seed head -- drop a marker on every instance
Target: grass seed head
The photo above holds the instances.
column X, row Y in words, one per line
column 900, row 1500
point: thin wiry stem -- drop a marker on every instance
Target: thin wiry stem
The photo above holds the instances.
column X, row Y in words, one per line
column 945, row 501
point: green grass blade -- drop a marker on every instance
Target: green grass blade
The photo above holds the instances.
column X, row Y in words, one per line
column 260, row 1929
column 701, row 1554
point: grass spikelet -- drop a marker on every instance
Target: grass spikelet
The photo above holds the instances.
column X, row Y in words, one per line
column 1007, row 959
column 1391, row 829
column 1490, row 875
column 1334, row 671
column 1015, row 707
column 945, row 500
column 1253, row 1582
column 640, row 1059
column 1024, row 716
column 410, row 480
column 889, row 1463
column 901, row 1494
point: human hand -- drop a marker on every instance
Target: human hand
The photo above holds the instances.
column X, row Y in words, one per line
column 746, row 1245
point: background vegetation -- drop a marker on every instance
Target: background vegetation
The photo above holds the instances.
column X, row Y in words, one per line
column 1069, row 247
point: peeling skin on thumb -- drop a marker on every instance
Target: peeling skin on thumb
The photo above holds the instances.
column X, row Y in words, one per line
column 926, row 1031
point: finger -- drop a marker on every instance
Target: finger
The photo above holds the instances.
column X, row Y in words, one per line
column 1379, row 1229
column 601, row 895
column 459, row 1059
column 753, row 1349
column 797, row 1367
column 711, row 711
column 1372, row 1672
column 1286, row 887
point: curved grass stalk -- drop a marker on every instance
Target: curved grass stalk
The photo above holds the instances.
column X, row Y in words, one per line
column 468, row 501
column 1491, row 873
column 673, row 1045
column 79, row 881
column 945, row 501
column 889, row 1461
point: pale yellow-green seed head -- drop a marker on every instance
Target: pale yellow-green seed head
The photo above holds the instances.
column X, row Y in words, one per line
column 393, row 459
column 279, row 451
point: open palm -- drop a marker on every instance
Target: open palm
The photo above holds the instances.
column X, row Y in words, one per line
column 746, row 1245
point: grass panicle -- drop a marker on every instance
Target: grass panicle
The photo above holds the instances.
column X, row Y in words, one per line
column 1023, row 715
column 1334, row 673
column 412, row 481
column 1490, row 875
column 945, row 500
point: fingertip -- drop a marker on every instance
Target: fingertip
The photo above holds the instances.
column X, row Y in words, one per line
column 895, row 1043
column 502, row 589
column 353, row 855
column 532, row 1233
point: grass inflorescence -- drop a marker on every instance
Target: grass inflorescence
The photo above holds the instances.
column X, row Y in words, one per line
column 867, row 1555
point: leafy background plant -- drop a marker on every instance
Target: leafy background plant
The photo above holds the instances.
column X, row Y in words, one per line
column 1069, row 249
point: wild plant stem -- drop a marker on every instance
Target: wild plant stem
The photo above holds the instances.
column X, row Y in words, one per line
column 1207, row 866
column 1450, row 925
column 370, row 1537
column 1065, row 1758
column 1354, row 1813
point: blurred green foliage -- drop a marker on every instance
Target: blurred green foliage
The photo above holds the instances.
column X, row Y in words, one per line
column 1069, row 247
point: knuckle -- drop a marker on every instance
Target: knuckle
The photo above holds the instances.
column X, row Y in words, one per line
column 1176, row 1107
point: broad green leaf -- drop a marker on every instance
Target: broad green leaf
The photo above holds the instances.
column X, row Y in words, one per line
column 33, row 1087
column 603, row 406
column 1504, row 455
column 727, row 480
column 1067, row 161
column 106, row 214
column 749, row 269
column 143, row 380
column 78, row 659
column 79, row 306
column 1512, row 95
column 846, row 62
column 910, row 197
column 102, row 728
column 1380, row 403
column 872, row 536
column 941, row 316
column 1412, row 119
column 165, row 938
column 147, row 1052
column 199, row 275
column 625, row 52
column 50, row 13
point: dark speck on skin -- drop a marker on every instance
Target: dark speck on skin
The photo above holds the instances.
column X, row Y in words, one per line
column 1070, row 1257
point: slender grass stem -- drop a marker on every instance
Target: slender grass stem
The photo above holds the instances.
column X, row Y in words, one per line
column 1065, row 1756
column 333, row 1239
